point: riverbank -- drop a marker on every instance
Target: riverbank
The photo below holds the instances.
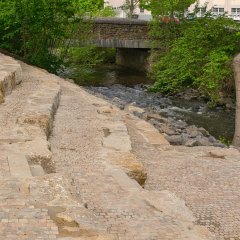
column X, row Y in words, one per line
column 161, row 112
column 67, row 168
column 73, row 165
column 181, row 118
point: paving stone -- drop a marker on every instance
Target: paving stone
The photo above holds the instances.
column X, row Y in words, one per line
column 85, row 196
column 19, row 167
column 206, row 178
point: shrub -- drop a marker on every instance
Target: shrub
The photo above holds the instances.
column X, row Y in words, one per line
column 197, row 54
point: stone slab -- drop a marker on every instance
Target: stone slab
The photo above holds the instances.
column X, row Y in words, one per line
column 19, row 167
column 37, row 170
column 151, row 134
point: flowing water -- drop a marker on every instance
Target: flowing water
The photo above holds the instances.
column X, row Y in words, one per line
column 128, row 86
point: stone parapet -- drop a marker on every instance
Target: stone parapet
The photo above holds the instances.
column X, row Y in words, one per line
column 121, row 33
column 121, row 21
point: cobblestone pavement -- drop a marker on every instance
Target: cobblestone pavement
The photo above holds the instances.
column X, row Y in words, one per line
column 18, row 218
column 206, row 178
column 79, row 183
column 76, row 144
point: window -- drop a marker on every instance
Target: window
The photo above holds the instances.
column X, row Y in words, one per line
column 201, row 12
column 218, row 11
column 235, row 12
column 141, row 10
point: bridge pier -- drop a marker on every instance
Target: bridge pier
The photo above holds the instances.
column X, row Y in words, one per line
column 133, row 58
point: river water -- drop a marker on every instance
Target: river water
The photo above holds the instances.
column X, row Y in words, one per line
column 126, row 86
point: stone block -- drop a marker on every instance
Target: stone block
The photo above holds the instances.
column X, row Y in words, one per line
column 128, row 162
column 19, row 167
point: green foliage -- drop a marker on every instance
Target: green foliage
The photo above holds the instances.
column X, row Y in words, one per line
column 82, row 61
column 90, row 56
column 105, row 12
column 93, row 8
column 130, row 6
column 38, row 30
column 35, row 28
column 9, row 27
column 89, row 6
column 198, row 54
column 225, row 141
column 166, row 7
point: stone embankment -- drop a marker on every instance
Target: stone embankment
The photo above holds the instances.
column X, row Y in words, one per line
column 72, row 166
column 160, row 112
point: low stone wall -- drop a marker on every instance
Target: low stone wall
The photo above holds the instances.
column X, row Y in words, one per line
column 10, row 75
column 30, row 111
column 124, row 29
column 121, row 33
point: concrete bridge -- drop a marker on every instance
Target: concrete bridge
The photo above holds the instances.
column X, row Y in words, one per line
column 129, row 36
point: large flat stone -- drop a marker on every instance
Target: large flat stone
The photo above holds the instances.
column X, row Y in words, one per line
column 151, row 134
column 19, row 167
column 118, row 138
column 128, row 163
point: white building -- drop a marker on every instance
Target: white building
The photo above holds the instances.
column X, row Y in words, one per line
column 118, row 6
column 230, row 7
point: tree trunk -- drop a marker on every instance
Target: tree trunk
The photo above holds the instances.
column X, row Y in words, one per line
column 236, row 65
column 131, row 9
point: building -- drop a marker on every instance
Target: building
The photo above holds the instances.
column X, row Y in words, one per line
column 118, row 6
column 230, row 7
column 219, row 7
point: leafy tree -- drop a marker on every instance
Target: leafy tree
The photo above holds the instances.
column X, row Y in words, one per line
column 130, row 6
column 44, row 25
column 199, row 56
column 108, row 11
column 38, row 30
column 169, row 8
column 89, row 6
column 9, row 27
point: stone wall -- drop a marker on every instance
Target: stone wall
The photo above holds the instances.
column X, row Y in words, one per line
column 10, row 75
column 121, row 33
column 124, row 29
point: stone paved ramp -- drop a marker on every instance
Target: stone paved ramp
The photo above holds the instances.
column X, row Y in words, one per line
column 206, row 178
column 86, row 129
column 20, row 140
column 84, row 182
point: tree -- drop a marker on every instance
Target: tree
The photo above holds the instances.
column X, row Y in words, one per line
column 89, row 6
column 9, row 28
column 38, row 30
column 44, row 25
column 199, row 57
column 236, row 65
column 169, row 8
column 130, row 6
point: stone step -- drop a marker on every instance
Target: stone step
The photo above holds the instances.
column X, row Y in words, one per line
column 151, row 134
column 10, row 75
column 22, row 222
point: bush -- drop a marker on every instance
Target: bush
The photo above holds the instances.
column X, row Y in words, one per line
column 38, row 30
column 90, row 56
column 197, row 54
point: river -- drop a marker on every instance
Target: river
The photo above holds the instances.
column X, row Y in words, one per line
column 124, row 86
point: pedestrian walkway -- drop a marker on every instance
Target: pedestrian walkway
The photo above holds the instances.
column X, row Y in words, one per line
column 72, row 166
column 207, row 178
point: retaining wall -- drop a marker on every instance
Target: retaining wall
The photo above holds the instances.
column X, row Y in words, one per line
column 10, row 75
